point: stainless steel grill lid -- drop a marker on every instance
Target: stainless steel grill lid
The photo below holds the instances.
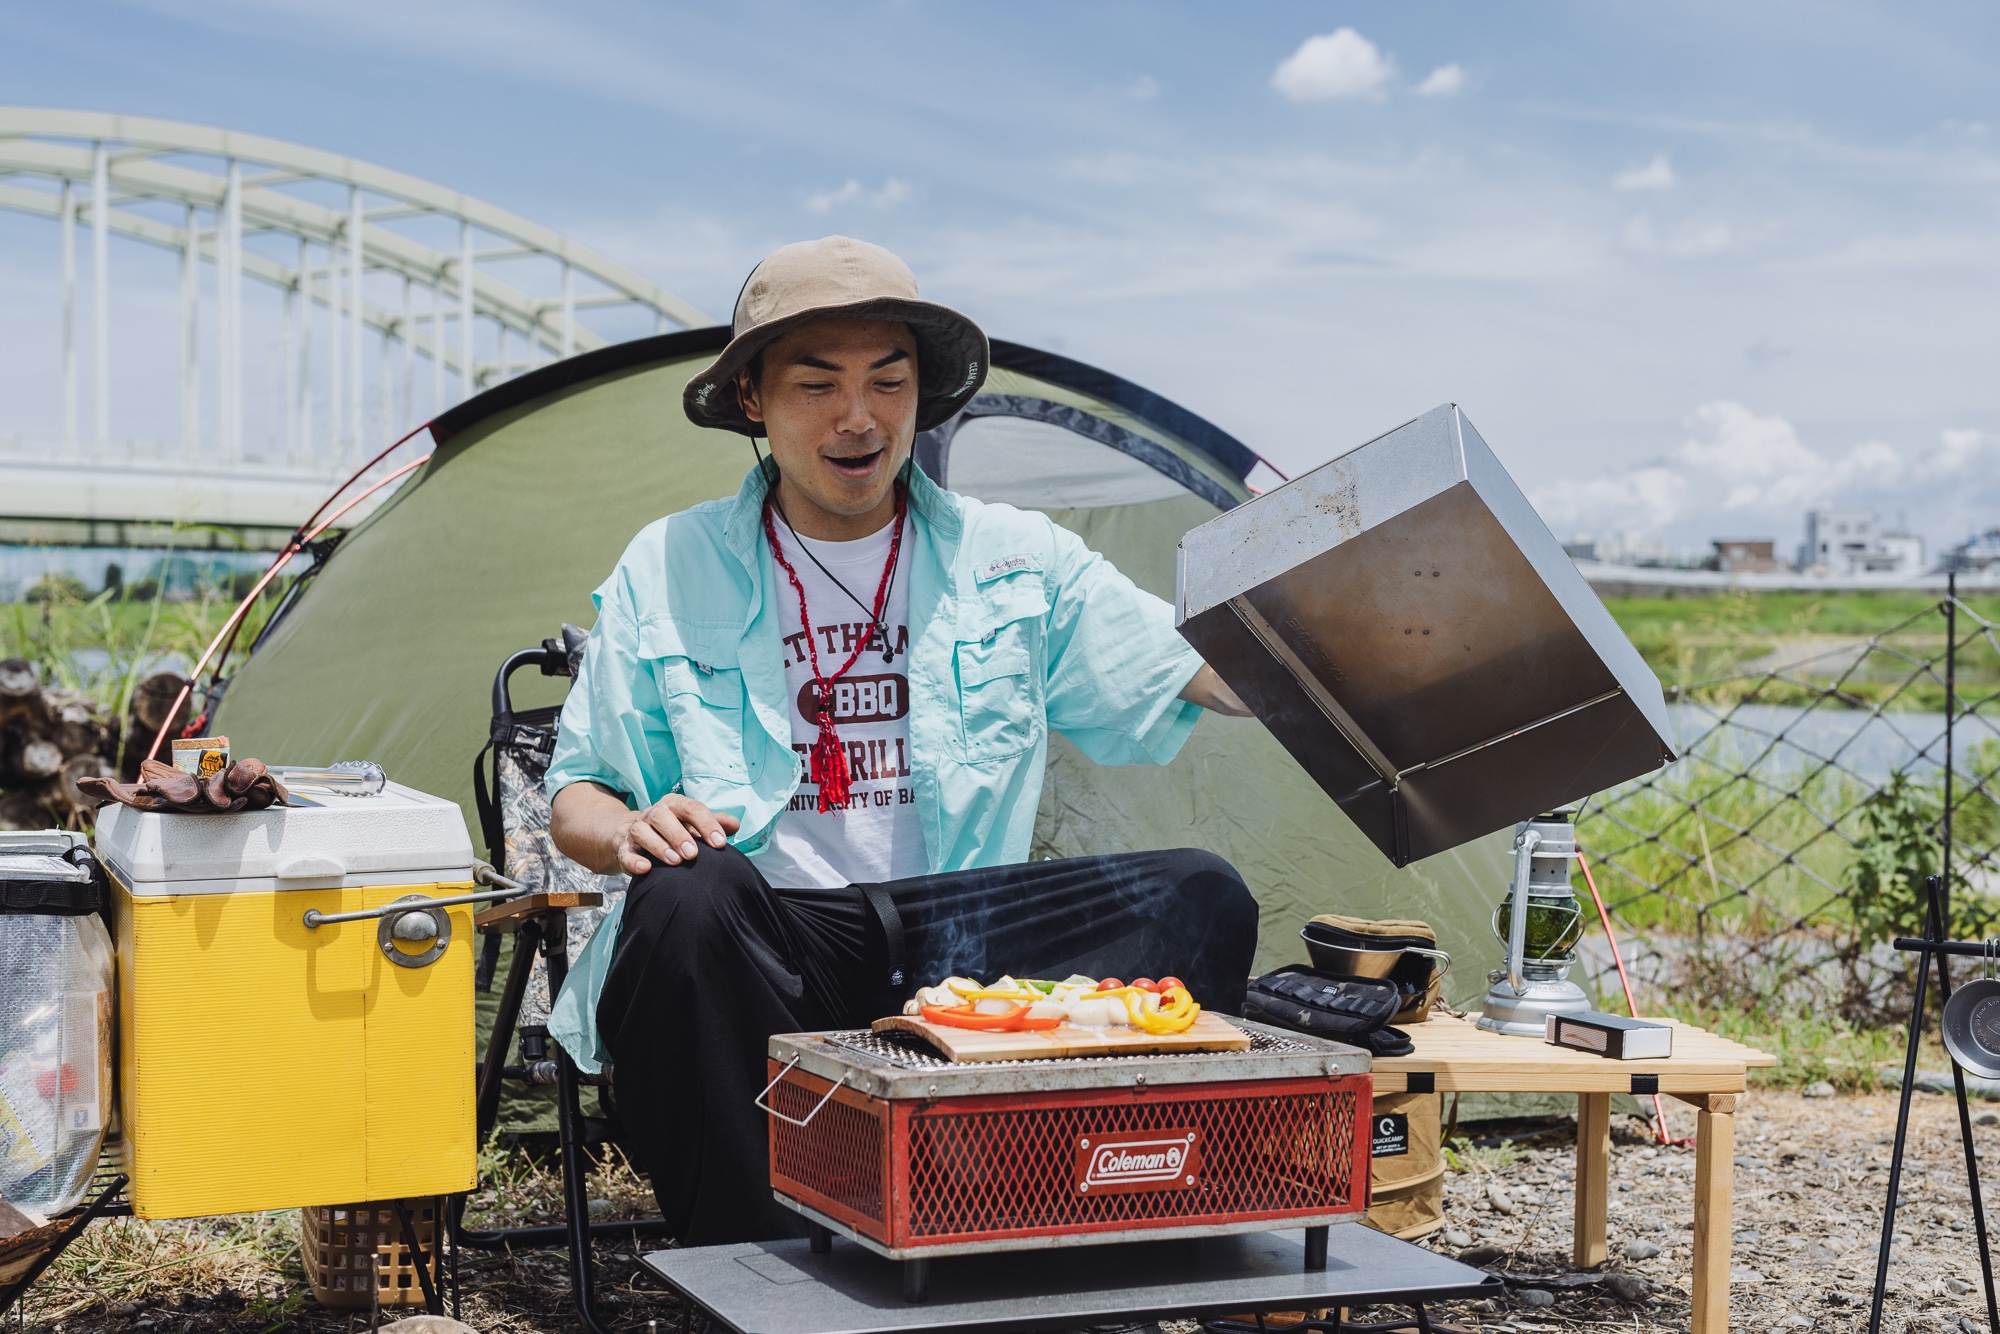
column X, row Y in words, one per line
column 1409, row 629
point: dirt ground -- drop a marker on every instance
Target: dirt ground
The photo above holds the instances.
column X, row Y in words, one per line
column 1810, row 1179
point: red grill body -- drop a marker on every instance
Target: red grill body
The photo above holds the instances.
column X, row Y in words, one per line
column 937, row 1172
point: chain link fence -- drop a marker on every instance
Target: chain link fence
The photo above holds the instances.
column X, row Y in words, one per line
column 1773, row 861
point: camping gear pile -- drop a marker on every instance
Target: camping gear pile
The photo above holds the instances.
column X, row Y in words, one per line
column 50, row 738
column 877, row 1137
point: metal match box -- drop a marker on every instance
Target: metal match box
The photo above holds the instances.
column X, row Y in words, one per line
column 877, row 1138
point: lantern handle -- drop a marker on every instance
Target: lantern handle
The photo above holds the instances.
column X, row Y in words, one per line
column 1517, row 928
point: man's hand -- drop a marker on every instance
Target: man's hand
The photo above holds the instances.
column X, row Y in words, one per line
column 1213, row 693
column 591, row 824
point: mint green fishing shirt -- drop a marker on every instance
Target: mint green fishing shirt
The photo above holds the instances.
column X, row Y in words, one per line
column 1017, row 628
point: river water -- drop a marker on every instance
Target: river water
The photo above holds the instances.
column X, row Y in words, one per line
column 1774, row 738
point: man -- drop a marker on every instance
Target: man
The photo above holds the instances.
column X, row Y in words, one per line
column 812, row 723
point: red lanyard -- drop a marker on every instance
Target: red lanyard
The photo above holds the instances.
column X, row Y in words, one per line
column 828, row 759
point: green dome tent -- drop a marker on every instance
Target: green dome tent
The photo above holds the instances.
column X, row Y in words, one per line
column 388, row 651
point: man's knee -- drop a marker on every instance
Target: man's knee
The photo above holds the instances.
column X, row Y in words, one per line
column 698, row 895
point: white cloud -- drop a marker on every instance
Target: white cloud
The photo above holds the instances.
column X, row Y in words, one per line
column 1143, row 89
column 892, row 193
column 1443, row 81
column 1341, row 63
column 1655, row 175
column 1756, row 470
column 1690, row 240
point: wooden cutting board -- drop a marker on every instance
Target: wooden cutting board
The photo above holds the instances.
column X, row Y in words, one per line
column 1209, row 1032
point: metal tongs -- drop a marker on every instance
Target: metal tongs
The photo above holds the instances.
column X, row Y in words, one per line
column 349, row 778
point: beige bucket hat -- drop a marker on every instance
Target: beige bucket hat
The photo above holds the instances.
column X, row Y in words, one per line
column 840, row 277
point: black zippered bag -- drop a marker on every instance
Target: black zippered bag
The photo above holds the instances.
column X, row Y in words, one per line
column 1355, row 1010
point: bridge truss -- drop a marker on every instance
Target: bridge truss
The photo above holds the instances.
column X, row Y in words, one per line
column 385, row 299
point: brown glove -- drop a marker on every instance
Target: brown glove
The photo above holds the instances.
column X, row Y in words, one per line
column 244, row 785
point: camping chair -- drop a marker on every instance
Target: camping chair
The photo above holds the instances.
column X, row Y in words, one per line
column 550, row 923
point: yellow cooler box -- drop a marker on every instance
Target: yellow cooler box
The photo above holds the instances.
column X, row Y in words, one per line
column 268, row 1064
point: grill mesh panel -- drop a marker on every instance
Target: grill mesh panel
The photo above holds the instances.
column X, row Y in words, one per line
column 840, row 1152
column 1004, row 1171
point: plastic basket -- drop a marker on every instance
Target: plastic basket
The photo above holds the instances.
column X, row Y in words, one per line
column 356, row 1258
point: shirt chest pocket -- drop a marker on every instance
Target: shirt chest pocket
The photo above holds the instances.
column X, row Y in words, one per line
column 701, row 689
column 998, row 663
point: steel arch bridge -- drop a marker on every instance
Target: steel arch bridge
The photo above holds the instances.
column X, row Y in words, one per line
column 375, row 300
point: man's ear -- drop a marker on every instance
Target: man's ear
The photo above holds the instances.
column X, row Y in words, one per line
column 747, row 397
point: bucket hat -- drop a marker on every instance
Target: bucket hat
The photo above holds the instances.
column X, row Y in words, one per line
column 842, row 278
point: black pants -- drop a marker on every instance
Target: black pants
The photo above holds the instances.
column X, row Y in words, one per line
column 712, row 961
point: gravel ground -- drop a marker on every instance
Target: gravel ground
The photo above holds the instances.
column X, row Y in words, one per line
column 1810, row 1178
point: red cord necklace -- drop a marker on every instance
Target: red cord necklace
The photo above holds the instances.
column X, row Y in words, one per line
column 828, row 758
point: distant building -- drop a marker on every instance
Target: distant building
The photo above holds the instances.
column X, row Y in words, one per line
column 1751, row 555
column 1846, row 542
column 1627, row 548
column 1975, row 553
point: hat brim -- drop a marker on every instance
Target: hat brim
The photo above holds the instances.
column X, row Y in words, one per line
column 952, row 360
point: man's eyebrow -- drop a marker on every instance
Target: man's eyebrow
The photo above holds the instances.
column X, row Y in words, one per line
column 899, row 354
column 817, row 363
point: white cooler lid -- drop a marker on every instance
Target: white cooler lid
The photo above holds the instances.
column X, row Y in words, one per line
column 398, row 836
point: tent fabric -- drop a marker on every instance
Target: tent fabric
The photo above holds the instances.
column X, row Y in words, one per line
column 388, row 653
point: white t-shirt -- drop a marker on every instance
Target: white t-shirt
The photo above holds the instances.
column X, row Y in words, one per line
column 878, row 836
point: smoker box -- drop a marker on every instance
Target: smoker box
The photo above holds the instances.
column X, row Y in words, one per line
column 1409, row 629
column 877, row 1138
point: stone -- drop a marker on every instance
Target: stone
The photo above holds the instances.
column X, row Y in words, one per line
column 1749, row 1237
column 1958, row 1286
column 1536, row 1297
column 1457, row 1239
column 1987, row 1119
column 1641, row 1250
column 425, row 1324
column 1628, row 1287
column 1480, row 1255
column 1796, row 1322
column 1819, row 1088
column 1497, row 1197
column 1745, row 1276
column 602, row 1208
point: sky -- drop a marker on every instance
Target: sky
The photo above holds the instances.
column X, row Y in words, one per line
column 1689, row 269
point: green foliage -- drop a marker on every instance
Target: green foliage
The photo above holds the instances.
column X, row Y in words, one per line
column 56, row 586
column 1463, row 1156
column 1898, row 849
column 1811, row 1044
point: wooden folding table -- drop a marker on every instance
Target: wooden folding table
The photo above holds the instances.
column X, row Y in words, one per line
column 1705, row 1071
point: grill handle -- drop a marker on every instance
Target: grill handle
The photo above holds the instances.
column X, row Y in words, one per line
column 761, row 1105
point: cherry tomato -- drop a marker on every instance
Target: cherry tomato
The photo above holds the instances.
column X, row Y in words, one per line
column 1169, row 982
column 1146, row 984
column 1110, row 984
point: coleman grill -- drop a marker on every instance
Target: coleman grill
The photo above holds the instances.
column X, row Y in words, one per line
column 877, row 1138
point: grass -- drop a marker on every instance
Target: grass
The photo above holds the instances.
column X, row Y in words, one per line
column 1810, row 1045
column 1693, row 643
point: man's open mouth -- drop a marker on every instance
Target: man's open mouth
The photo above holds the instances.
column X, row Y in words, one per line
column 855, row 465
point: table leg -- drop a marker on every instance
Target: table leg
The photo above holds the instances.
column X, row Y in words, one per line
column 1593, row 1178
column 1714, row 1180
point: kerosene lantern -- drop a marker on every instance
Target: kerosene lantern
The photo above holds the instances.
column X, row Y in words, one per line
column 1540, row 923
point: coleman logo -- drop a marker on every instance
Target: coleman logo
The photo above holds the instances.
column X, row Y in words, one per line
column 1138, row 1160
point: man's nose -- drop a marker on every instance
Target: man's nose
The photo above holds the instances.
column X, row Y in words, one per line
column 856, row 415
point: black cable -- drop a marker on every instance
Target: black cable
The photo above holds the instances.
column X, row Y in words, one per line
column 888, row 648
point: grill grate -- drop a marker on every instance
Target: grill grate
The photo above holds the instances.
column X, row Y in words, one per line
column 913, row 1053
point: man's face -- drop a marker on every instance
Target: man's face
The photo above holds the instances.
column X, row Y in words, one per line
column 838, row 400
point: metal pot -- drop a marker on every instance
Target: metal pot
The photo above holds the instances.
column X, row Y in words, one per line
column 1972, row 1026
column 1354, row 962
